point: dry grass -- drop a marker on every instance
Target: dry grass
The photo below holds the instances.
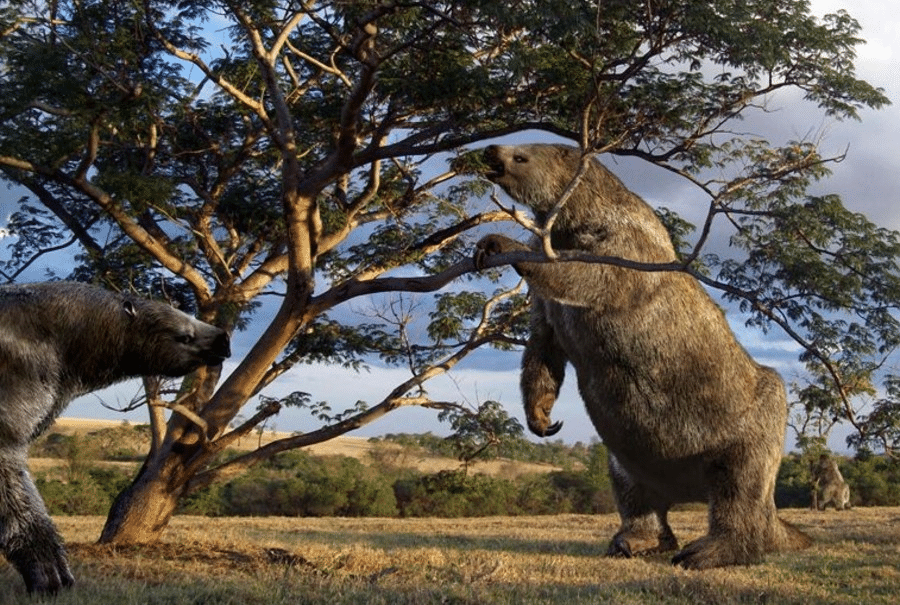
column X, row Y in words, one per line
column 555, row 559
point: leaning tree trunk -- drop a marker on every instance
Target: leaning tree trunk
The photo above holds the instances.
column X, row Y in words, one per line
column 142, row 511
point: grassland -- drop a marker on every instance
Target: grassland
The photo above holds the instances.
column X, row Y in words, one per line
column 553, row 559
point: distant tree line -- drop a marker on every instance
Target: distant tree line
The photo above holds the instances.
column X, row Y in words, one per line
column 297, row 484
column 513, row 446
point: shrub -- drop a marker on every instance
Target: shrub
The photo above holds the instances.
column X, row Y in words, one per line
column 301, row 485
column 93, row 494
column 455, row 494
column 873, row 480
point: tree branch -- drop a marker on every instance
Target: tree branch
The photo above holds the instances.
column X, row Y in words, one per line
column 398, row 397
column 252, row 104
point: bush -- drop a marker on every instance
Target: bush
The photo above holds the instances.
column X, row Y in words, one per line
column 207, row 502
column 300, row 485
column 873, row 480
column 512, row 447
column 93, row 494
column 455, row 494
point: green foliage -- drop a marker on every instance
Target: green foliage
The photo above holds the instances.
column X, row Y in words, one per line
column 297, row 484
column 455, row 494
column 474, row 431
column 793, row 487
column 881, row 428
column 678, row 228
column 584, row 491
column 553, row 452
column 873, row 480
column 92, row 493
column 831, row 278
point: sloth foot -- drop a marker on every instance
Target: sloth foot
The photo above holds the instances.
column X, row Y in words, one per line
column 47, row 574
column 493, row 244
column 621, row 545
column 709, row 552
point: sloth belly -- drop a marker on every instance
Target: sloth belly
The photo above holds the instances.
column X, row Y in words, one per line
column 644, row 392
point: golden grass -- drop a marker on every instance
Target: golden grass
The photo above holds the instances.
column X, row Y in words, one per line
column 553, row 559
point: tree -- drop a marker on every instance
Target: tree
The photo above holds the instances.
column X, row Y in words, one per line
column 220, row 154
column 474, row 431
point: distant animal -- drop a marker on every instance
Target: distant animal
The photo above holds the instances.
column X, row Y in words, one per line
column 59, row 340
column 684, row 411
column 828, row 480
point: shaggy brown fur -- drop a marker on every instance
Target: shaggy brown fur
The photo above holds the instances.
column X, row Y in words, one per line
column 687, row 415
column 828, row 481
column 57, row 341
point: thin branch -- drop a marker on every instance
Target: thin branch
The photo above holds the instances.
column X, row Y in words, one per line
column 177, row 407
column 255, row 106
column 327, row 433
column 11, row 277
column 430, row 283
column 271, row 408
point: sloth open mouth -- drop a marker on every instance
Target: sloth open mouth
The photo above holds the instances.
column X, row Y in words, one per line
column 494, row 173
column 220, row 351
column 495, row 168
column 214, row 359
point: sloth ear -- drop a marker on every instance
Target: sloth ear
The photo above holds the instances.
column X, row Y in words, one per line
column 129, row 308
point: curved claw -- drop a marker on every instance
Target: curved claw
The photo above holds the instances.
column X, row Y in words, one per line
column 619, row 547
column 44, row 567
column 545, row 431
column 553, row 429
column 478, row 259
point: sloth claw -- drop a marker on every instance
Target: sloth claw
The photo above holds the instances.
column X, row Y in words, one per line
column 545, row 431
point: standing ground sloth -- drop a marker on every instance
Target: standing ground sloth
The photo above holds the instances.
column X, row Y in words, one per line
column 685, row 412
column 57, row 341
column 828, row 480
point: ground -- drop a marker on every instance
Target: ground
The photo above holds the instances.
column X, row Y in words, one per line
column 548, row 559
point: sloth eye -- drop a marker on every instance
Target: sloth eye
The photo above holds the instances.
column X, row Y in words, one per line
column 520, row 159
column 184, row 339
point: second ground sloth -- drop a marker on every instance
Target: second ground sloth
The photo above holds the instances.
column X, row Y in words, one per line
column 685, row 412
column 827, row 478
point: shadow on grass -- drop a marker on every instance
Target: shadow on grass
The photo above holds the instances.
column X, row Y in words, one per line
column 446, row 540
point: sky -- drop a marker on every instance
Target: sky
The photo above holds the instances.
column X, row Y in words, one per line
column 868, row 181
